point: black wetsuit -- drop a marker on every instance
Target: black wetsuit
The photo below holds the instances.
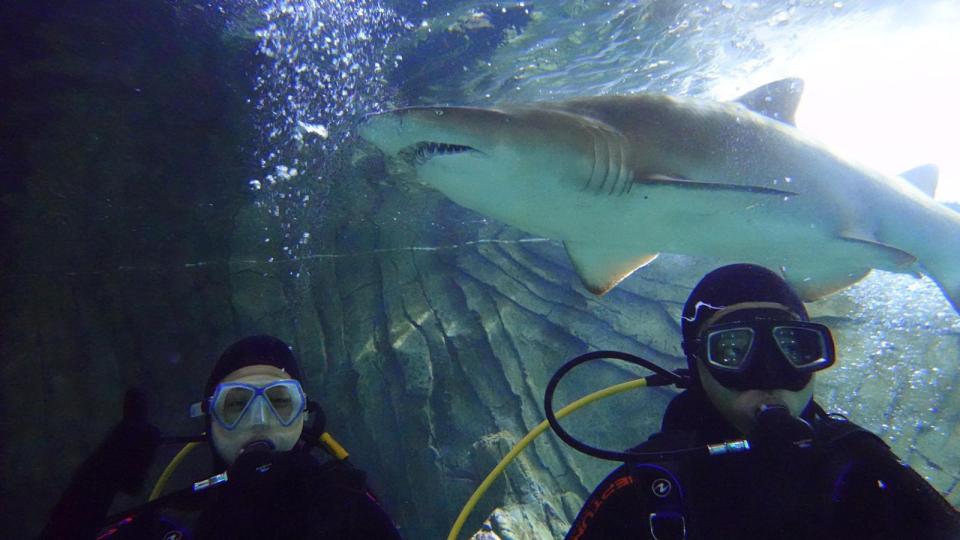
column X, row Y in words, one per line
column 299, row 498
column 849, row 486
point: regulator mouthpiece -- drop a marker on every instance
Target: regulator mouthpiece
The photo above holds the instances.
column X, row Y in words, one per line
column 777, row 429
column 255, row 459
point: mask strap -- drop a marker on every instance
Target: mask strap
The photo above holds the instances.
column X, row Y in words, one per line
column 741, row 306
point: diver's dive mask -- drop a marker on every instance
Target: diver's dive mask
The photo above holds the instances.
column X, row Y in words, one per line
column 764, row 353
column 234, row 403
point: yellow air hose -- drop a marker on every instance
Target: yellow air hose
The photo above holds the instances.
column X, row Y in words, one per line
column 168, row 472
column 533, row 434
column 332, row 445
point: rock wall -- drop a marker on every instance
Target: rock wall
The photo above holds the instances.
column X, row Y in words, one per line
column 430, row 353
column 436, row 349
column 133, row 254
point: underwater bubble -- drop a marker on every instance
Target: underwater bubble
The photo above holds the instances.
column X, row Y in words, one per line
column 779, row 18
column 321, row 59
column 314, row 129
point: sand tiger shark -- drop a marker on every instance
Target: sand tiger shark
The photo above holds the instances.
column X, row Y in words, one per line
column 620, row 179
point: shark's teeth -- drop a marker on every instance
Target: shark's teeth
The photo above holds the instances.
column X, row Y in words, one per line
column 423, row 151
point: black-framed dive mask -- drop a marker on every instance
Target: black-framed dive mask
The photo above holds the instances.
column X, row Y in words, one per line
column 764, row 353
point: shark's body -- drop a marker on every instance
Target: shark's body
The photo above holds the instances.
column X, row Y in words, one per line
column 621, row 178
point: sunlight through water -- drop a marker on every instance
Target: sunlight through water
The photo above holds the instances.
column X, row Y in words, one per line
column 885, row 93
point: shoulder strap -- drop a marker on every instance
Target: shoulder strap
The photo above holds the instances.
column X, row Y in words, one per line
column 832, row 430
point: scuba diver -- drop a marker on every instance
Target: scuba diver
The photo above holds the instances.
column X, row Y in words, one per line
column 268, row 484
column 796, row 472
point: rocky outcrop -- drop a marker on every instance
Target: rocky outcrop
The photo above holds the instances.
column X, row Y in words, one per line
column 441, row 329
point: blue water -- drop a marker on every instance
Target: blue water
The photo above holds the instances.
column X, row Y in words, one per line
column 332, row 62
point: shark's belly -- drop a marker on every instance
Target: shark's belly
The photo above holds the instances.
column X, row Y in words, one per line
column 743, row 227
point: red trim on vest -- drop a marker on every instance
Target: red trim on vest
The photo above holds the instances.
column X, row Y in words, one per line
column 593, row 506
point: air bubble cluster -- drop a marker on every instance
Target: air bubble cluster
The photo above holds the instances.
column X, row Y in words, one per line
column 321, row 69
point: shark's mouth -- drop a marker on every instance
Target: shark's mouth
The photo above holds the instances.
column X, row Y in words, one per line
column 424, row 151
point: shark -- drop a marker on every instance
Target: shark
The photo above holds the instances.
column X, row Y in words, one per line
column 619, row 179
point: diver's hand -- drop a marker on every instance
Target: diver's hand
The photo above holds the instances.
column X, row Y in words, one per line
column 119, row 463
column 129, row 449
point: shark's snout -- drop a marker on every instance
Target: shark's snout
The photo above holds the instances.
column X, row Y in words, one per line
column 383, row 130
column 412, row 134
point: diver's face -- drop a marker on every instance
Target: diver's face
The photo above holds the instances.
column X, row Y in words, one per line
column 265, row 427
column 740, row 407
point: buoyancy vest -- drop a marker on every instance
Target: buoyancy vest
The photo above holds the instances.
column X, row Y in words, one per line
column 850, row 483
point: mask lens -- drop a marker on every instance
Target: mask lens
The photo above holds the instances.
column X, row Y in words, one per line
column 286, row 400
column 729, row 348
column 232, row 403
column 803, row 347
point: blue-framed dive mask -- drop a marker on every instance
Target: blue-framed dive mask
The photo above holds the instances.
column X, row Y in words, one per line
column 236, row 404
column 765, row 353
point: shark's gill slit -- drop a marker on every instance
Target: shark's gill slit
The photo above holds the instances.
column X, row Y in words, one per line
column 626, row 174
column 593, row 166
column 602, row 153
column 616, row 162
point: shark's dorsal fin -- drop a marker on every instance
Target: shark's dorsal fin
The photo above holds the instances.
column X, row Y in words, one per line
column 777, row 100
column 601, row 267
column 924, row 178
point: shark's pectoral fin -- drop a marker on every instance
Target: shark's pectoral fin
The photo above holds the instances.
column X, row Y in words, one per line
column 816, row 281
column 602, row 267
column 888, row 257
column 777, row 100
